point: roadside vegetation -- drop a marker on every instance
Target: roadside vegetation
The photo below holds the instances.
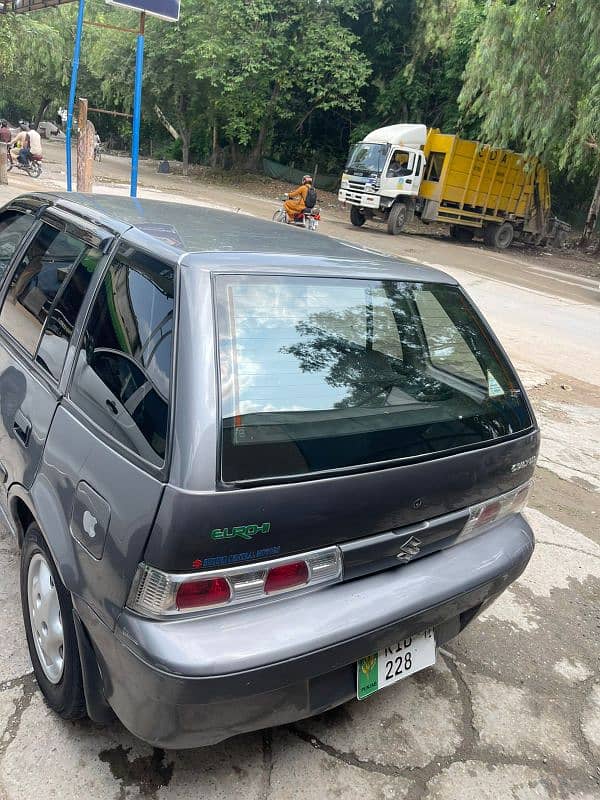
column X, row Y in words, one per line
column 300, row 82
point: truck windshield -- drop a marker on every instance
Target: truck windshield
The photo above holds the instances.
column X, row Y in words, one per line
column 367, row 158
column 321, row 374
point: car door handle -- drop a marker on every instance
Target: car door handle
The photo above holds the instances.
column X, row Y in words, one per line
column 408, row 180
column 113, row 406
column 22, row 428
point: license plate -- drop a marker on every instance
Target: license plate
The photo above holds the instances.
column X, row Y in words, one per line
column 395, row 662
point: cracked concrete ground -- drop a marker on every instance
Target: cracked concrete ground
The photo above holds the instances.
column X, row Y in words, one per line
column 511, row 710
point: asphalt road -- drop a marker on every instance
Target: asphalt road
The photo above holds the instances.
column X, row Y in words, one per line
column 512, row 707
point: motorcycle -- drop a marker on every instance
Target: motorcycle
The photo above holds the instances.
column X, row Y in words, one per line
column 32, row 166
column 307, row 218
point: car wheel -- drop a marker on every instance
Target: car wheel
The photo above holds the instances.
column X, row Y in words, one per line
column 51, row 637
column 498, row 236
column 396, row 219
column 356, row 217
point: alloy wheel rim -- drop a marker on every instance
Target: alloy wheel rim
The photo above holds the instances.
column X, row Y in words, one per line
column 46, row 618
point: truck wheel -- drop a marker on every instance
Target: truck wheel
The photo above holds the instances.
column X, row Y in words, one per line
column 356, row 217
column 51, row 637
column 396, row 219
column 461, row 234
column 498, row 236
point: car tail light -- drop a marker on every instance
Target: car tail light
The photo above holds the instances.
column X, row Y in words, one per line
column 199, row 594
column 287, row 576
column 496, row 508
column 155, row 593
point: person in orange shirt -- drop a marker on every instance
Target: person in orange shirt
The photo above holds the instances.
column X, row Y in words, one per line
column 297, row 199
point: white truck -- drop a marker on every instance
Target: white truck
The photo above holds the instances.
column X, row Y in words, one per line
column 402, row 170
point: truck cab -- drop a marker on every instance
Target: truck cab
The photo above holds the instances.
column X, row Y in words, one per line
column 383, row 175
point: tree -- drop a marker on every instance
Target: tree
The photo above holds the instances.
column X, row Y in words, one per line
column 36, row 54
column 169, row 74
column 266, row 61
column 532, row 82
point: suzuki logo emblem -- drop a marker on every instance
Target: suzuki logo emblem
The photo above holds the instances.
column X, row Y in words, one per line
column 410, row 549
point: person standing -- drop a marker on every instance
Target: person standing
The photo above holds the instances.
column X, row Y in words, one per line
column 5, row 136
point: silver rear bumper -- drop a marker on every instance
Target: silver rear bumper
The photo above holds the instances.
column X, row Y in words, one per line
column 193, row 682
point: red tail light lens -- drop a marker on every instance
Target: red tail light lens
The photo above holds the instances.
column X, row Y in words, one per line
column 286, row 577
column 496, row 508
column 489, row 513
column 197, row 594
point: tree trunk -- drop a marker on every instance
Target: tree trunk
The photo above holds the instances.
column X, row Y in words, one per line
column 257, row 150
column 235, row 155
column 592, row 216
column 215, row 145
column 44, row 103
column 185, row 151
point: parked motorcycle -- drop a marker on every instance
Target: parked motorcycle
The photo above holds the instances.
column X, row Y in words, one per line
column 32, row 166
column 308, row 218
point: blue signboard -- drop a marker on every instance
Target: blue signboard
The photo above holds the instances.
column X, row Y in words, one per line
column 165, row 9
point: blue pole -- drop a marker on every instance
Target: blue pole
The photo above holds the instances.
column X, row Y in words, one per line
column 137, row 106
column 73, row 89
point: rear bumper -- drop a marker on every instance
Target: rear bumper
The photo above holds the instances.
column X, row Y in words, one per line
column 194, row 682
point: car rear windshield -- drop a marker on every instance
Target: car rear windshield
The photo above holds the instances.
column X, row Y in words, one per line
column 322, row 374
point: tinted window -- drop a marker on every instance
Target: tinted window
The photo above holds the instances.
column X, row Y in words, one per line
column 61, row 320
column 13, row 226
column 123, row 371
column 36, row 282
column 320, row 374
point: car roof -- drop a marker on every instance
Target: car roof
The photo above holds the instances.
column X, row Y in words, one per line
column 191, row 232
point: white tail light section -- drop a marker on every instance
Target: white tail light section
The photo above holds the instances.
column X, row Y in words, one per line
column 155, row 593
column 495, row 509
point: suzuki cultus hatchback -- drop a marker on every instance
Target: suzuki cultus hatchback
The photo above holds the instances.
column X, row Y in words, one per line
column 252, row 473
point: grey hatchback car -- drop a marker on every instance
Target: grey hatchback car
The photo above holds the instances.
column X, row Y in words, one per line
column 253, row 473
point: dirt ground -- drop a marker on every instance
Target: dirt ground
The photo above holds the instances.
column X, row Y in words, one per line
column 568, row 259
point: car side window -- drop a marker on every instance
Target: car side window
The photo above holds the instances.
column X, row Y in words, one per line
column 61, row 320
column 37, row 281
column 123, row 371
column 13, row 227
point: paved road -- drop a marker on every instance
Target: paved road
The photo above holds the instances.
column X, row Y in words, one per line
column 512, row 707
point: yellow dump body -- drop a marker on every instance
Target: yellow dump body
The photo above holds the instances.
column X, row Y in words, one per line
column 468, row 183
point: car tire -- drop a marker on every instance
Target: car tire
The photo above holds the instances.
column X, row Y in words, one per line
column 51, row 638
column 356, row 217
column 397, row 218
column 498, row 236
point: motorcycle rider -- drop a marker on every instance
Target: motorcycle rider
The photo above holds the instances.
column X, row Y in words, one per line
column 296, row 202
column 30, row 143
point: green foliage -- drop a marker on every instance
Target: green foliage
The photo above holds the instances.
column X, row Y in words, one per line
column 533, row 79
column 266, row 61
column 304, row 80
